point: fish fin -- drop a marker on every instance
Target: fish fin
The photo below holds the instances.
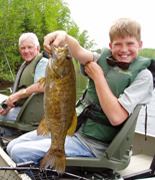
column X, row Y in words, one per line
column 42, row 128
column 54, row 159
column 52, row 83
column 42, row 81
column 73, row 125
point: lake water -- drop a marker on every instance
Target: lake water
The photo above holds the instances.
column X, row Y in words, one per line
column 81, row 84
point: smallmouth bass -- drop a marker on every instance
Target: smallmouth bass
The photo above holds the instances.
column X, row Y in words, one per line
column 59, row 106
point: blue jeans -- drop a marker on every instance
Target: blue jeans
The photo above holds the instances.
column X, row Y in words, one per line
column 30, row 147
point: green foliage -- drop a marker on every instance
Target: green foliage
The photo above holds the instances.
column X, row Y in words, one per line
column 150, row 53
column 38, row 16
column 84, row 40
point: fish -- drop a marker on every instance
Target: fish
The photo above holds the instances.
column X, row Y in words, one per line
column 60, row 117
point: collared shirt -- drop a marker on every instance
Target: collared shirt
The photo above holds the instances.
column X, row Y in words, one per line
column 40, row 69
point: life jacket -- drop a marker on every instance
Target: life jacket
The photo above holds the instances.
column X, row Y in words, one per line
column 88, row 108
column 25, row 76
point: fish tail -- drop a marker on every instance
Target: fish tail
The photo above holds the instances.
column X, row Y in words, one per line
column 54, row 159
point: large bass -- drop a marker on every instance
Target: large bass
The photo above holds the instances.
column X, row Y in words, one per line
column 59, row 106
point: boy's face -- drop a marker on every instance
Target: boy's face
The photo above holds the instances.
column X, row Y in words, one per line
column 125, row 49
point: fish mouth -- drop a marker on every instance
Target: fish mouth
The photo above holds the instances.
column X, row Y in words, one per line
column 59, row 57
column 57, row 53
column 53, row 52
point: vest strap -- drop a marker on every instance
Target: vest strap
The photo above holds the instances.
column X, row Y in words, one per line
column 92, row 105
column 87, row 113
column 15, row 87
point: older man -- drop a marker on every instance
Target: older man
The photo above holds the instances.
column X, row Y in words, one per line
column 26, row 83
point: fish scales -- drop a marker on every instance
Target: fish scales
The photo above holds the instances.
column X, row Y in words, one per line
column 59, row 106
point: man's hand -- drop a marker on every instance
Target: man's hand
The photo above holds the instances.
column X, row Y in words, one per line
column 12, row 99
column 4, row 112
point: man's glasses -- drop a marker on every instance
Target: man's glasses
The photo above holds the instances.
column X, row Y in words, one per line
column 113, row 62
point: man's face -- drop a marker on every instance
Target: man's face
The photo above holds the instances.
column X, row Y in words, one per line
column 28, row 49
column 125, row 49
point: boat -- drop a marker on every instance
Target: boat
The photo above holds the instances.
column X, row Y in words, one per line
column 141, row 166
column 5, row 161
column 138, row 165
column 142, row 163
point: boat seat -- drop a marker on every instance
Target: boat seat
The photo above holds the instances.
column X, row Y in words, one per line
column 117, row 155
column 30, row 114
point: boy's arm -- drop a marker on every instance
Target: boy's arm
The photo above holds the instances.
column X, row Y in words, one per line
column 109, row 103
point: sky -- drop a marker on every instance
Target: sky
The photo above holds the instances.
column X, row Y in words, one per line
column 96, row 16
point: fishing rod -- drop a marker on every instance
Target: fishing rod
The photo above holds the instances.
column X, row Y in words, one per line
column 9, row 66
column 36, row 174
column 5, row 91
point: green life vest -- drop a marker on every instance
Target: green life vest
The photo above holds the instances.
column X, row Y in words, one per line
column 118, row 80
column 26, row 76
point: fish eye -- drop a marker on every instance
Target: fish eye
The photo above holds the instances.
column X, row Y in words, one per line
column 68, row 57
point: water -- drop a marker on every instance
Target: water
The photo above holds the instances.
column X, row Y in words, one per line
column 81, row 84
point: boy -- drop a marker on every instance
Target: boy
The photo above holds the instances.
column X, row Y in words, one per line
column 118, row 82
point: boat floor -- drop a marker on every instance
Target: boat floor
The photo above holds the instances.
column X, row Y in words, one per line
column 143, row 152
column 138, row 163
column 6, row 161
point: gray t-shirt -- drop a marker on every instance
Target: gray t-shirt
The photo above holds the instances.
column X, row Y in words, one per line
column 139, row 92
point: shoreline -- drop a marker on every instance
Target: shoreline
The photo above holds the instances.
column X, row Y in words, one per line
column 4, row 83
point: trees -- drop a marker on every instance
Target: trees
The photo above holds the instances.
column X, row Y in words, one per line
column 38, row 16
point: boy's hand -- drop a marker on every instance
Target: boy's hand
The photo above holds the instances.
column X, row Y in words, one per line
column 58, row 38
column 93, row 70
